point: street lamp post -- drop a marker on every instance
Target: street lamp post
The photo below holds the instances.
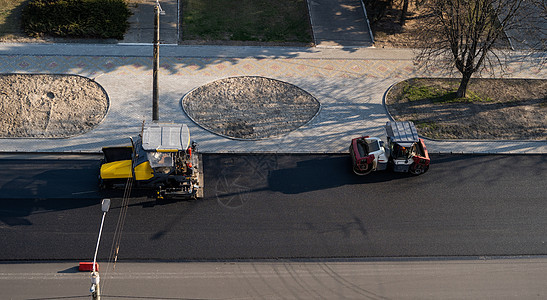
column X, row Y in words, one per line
column 95, row 279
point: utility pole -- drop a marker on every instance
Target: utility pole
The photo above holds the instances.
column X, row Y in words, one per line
column 155, row 92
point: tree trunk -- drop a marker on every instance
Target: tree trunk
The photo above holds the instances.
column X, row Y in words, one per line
column 462, row 90
column 402, row 20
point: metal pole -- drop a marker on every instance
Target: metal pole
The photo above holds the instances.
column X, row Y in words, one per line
column 98, row 240
column 155, row 93
column 95, row 278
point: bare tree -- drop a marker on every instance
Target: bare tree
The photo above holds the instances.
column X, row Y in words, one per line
column 465, row 33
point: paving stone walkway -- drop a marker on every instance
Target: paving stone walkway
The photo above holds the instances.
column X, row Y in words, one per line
column 349, row 84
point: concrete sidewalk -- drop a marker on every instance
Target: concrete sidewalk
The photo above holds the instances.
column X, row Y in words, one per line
column 141, row 22
column 350, row 84
column 531, row 31
column 339, row 23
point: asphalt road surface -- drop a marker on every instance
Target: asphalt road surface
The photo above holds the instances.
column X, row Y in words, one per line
column 282, row 206
column 522, row 278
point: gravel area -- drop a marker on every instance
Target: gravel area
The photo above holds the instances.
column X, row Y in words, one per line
column 49, row 106
column 250, row 107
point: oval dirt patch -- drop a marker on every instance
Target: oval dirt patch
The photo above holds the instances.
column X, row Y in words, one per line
column 49, row 106
column 250, row 107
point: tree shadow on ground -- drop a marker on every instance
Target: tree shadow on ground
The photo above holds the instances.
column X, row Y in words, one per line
column 11, row 26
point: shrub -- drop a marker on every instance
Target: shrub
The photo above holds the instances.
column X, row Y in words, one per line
column 376, row 9
column 76, row 18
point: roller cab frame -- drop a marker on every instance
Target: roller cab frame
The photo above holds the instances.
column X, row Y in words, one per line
column 404, row 151
column 160, row 158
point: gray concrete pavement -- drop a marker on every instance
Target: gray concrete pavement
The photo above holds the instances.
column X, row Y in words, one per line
column 141, row 22
column 530, row 32
column 517, row 278
column 350, row 84
column 338, row 23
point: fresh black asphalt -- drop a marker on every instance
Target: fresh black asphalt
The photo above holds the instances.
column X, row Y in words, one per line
column 282, row 206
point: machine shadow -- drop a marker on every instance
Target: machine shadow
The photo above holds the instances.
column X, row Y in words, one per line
column 323, row 172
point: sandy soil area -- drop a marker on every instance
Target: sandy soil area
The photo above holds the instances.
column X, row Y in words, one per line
column 49, row 106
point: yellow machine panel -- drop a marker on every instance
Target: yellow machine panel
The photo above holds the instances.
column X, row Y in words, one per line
column 116, row 169
column 122, row 169
column 143, row 171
